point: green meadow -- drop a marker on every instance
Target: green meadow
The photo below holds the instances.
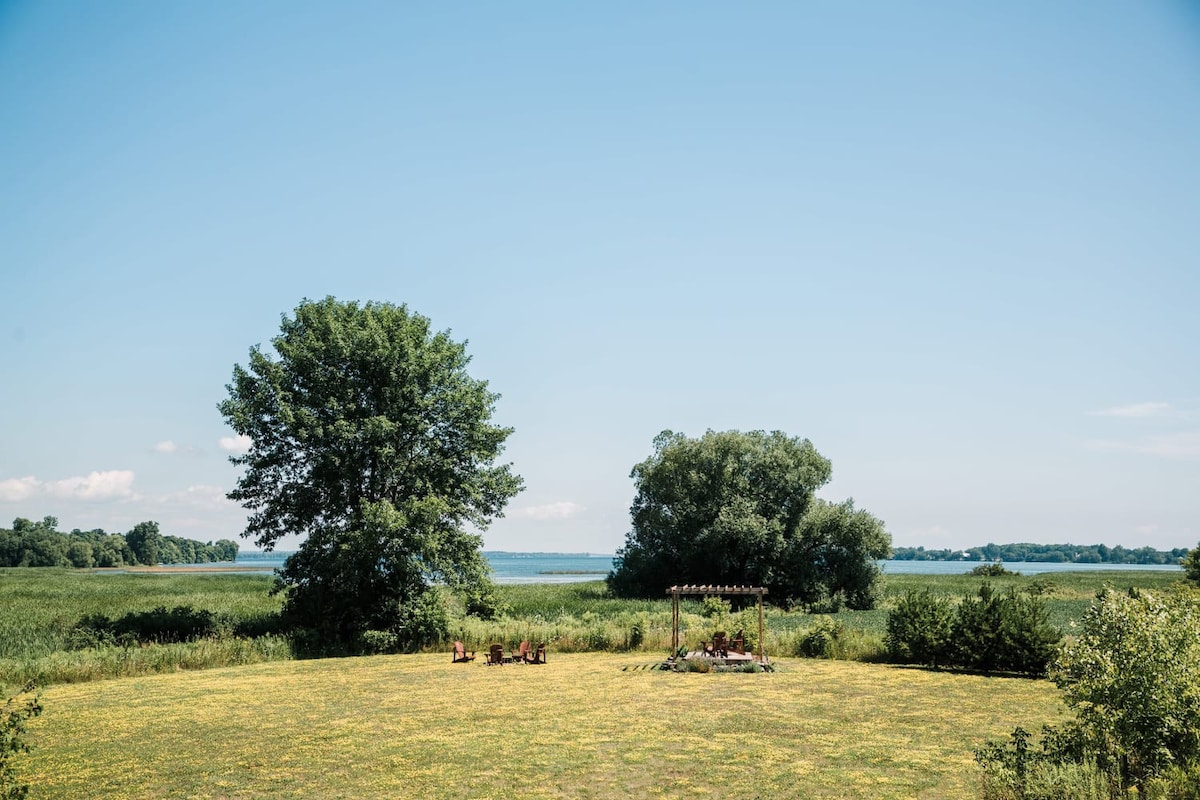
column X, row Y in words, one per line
column 590, row 725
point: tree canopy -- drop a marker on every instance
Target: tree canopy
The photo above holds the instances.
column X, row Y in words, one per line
column 40, row 544
column 369, row 437
column 1191, row 564
column 739, row 508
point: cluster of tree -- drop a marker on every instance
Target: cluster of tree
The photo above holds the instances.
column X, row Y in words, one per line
column 40, row 544
column 990, row 631
column 370, row 439
column 1042, row 553
column 1131, row 674
column 739, row 508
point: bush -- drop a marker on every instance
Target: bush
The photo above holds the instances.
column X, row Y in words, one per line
column 992, row 632
column 1004, row 632
column 821, row 640
column 713, row 607
column 482, row 601
column 994, row 570
column 1176, row 783
column 421, row 622
column 1133, row 678
column 1191, row 565
column 919, row 629
column 372, row 642
column 637, row 634
column 1015, row 770
column 179, row 624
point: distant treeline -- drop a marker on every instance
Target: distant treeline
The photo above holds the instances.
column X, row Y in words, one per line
column 39, row 544
column 1054, row 553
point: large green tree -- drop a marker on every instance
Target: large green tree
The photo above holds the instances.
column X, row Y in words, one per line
column 369, row 437
column 738, row 508
column 146, row 542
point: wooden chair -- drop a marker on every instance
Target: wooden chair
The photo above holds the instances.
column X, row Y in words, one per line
column 538, row 656
column 738, row 643
column 522, row 654
column 495, row 654
column 720, row 647
column 461, row 654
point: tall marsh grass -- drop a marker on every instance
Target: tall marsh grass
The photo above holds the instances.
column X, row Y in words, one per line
column 40, row 610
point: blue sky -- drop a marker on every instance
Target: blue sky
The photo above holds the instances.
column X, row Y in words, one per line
column 955, row 245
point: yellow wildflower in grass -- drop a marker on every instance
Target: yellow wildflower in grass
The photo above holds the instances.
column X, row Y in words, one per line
column 578, row 726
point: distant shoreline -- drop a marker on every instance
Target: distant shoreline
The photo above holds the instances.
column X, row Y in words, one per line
column 170, row 569
column 571, row 572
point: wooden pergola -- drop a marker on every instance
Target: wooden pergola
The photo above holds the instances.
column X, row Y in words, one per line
column 705, row 590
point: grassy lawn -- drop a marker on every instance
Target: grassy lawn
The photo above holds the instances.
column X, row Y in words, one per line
column 581, row 726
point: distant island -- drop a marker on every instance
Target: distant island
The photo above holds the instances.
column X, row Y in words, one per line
column 1045, row 553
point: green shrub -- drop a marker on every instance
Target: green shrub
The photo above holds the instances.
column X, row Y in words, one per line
column 160, row 625
column 1016, row 770
column 422, row 621
column 1046, row 781
column 484, row 602
column 821, row 640
column 637, row 634
column 716, row 608
column 1175, row 783
column 1132, row 675
column 994, row 570
column 370, row 642
column 1005, row 632
column 1191, row 565
column 919, row 629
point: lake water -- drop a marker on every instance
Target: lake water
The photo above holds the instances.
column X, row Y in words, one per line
column 507, row 567
column 572, row 567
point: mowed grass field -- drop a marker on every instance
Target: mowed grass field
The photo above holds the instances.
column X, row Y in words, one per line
column 588, row 725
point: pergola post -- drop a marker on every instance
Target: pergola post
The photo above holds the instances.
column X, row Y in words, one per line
column 674, row 621
column 762, row 640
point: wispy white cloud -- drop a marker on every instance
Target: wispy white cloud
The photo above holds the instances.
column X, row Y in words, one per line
column 170, row 447
column 1169, row 445
column 235, row 444
column 16, row 490
column 1135, row 411
column 561, row 510
column 116, row 484
column 97, row 487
